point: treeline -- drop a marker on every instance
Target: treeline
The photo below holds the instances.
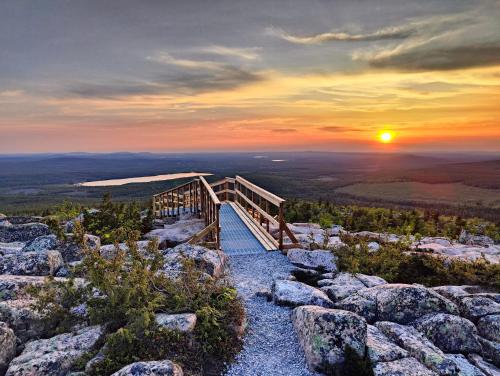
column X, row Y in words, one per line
column 399, row 221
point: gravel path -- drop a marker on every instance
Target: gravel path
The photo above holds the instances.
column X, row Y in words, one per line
column 270, row 345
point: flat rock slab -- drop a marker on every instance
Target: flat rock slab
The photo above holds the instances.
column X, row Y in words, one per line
column 293, row 294
column 321, row 260
column 380, row 349
column 402, row 367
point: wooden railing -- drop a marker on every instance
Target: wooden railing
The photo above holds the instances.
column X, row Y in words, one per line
column 196, row 197
column 265, row 209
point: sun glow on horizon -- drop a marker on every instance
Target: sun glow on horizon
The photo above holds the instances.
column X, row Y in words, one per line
column 386, row 136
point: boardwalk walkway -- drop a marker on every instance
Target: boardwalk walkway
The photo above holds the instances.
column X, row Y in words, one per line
column 270, row 347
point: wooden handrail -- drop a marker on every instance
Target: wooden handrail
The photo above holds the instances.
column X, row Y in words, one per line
column 260, row 191
column 210, row 190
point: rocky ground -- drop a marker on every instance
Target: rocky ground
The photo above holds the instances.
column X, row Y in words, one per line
column 302, row 312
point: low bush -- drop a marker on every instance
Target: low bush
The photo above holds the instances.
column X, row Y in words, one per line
column 397, row 263
column 124, row 294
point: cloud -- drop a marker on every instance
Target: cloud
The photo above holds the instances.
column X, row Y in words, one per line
column 394, row 32
column 284, row 130
column 339, row 128
column 165, row 58
column 242, row 53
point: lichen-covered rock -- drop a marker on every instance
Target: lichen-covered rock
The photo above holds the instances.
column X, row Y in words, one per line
column 14, row 286
column 110, row 251
column 371, row 280
column 464, row 366
column 152, row 368
column 8, row 248
column 212, row 262
column 31, row 263
column 365, row 307
column 470, row 239
column 42, row 243
column 343, row 285
column 489, row 327
column 454, row 293
column 72, row 251
column 22, row 319
column 402, row 367
column 405, row 303
column 490, row 351
column 322, row 260
column 7, row 346
column 452, row 334
column 324, row 334
column 56, row 355
column 293, row 294
column 309, row 276
column 380, row 349
column 22, row 232
column 487, row 368
column 475, row 307
column 183, row 322
column 418, row 346
column 176, row 233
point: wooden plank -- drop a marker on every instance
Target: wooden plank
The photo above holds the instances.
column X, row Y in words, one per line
column 256, row 207
column 264, row 237
column 201, row 234
column 210, row 191
column 261, row 191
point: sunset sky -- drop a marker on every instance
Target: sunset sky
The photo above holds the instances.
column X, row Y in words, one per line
column 161, row 76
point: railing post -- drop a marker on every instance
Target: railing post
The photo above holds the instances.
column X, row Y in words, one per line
column 281, row 222
column 217, row 225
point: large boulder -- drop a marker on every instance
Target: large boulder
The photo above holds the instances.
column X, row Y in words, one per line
column 343, row 285
column 8, row 248
column 465, row 367
column 23, row 232
column 42, row 243
column 490, row 350
column 402, row 367
column 403, row 303
column 152, row 368
column 489, row 327
column 293, row 294
column 31, row 263
column 321, row 260
column 380, row 349
column 110, row 251
column 22, row 318
column 325, row 334
column 182, row 322
column 14, row 286
column 471, row 239
column 487, row 368
column 176, row 233
column 418, row 346
column 212, row 262
column 56, row 355
column 7, row 346
column 450, row 333
column 72, row 251
column 455, row 293
column 475, row 307
column 365, row 307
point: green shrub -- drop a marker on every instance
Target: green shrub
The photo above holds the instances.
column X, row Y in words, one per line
column 124, row 293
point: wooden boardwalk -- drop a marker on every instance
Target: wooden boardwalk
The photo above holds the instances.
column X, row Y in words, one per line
column 230, row 206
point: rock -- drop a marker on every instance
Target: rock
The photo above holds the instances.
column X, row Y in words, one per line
column 7, row 346
column 42, row 243
column 464, row 366
column 373, row 246
column 489, row 327
column 305, row 228
column 321, row 260
column 403, row 303
column 72, row 251
column 8, row 248
column 418, row 346
column 487, row 368
column 152, row 368
column 336, row 230
column 23, row 232
column 54, row 356
column 264, row 293
column 371, row 280
column 20, row 316
column 13, row 286
column 452, row 334
column 324, row 335
column 470, row 239
column 176, row 233
column 454, row 293
column 24, row 219
column 380, row 349
column 291, row 293
column 357, row 303
column 63, row 272
column 31, row 263
column 402, row 367
column 490, row 351
column 444, row 242
column 343, row 285
column 475, row 307
column 183, row 322
column 212, row 262
column 109, row 251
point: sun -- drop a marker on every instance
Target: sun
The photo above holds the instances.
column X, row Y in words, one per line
column 386, row 136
